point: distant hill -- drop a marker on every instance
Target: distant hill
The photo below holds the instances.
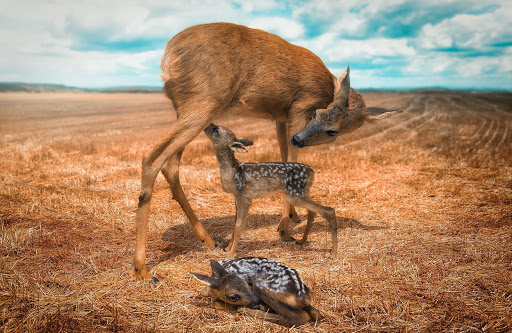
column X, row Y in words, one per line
column 48, row 87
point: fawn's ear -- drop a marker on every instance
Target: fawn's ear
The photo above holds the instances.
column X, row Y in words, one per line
column 217, row 270
column 205, row 279
column 245, row 142
column 238, row 147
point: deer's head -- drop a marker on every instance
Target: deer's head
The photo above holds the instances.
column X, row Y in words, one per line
column 229, row 288
column 345, row 114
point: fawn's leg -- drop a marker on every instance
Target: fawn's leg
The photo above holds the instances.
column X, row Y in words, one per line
column 288, row 210
column 285, row 315
column 182, row 132
column 327, row 212
column 242, row 208
column 314, row 313
column 311, row 217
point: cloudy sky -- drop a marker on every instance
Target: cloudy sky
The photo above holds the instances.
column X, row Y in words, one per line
column 387, row 43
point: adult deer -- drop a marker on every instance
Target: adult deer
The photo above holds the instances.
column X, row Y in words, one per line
column 219, row 68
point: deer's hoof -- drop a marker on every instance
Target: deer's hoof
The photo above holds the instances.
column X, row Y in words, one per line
column 286, row 236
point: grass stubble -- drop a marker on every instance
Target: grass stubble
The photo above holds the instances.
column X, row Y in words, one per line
column 423, row 201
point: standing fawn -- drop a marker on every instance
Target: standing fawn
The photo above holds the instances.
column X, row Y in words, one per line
column 249, row 180
column 222, row 68
column 256, row 286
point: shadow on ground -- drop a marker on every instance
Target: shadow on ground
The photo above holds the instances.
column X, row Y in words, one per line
column 181, row 238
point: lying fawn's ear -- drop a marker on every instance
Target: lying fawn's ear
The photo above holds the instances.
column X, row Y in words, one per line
column 209, row 281
column 238, row 147
column 244, row 141
column 217, row 270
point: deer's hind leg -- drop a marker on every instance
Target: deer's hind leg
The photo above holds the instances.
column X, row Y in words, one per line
column 170, row 170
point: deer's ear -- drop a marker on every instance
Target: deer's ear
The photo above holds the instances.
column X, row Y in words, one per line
column 373, row 114
column 244, row 141
column 238, row 147
column 217, row 270
column 342, row 89
column 207, row 280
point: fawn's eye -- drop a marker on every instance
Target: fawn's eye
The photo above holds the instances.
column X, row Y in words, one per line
column 234, row 298
column 216, row 131
column 331, row 132
column 314, row 115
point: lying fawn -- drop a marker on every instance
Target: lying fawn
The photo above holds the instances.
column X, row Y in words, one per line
column 256, row 286
column 249, row 180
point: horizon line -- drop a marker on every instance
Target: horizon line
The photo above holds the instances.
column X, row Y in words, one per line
column 18, row 86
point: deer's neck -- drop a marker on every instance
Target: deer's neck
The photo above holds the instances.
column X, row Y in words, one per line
column 229, row 167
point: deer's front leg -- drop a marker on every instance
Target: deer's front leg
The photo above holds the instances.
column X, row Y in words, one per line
column 289, row 212
column 242, row 208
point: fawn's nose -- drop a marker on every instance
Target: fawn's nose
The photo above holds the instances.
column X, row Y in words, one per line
column 296, row 142
column 255, row 302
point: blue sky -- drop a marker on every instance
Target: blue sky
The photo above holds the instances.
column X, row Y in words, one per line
column 387, row 43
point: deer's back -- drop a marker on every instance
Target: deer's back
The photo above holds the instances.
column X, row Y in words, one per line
column 243, row 69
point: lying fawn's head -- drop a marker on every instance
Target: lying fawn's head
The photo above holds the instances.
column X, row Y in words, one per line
column 227, row 287
column 345, row 114
column 224, row 137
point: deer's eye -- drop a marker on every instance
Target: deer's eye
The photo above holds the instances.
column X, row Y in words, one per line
column 216, row 131
column 331, row 132
column 314, row 115
column 234, row 298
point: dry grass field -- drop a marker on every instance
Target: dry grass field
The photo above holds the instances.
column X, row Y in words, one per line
column 423, row 201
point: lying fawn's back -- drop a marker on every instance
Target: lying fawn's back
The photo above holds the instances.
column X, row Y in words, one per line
column 268, row 274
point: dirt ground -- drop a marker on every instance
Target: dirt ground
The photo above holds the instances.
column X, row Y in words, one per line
column 423, row 202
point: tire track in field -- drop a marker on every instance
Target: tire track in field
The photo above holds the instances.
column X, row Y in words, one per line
column 492, row 134
column 419, row 105
column 471, row 122
column 434, row 110
column 499, row 137
column 492, row 122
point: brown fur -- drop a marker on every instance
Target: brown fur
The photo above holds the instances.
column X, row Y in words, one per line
column 217, row 68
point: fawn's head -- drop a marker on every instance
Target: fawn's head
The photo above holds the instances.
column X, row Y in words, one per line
column 224, row 137
column 228, row 287
column 345, row 114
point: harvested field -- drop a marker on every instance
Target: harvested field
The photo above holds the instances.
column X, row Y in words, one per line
column 423, row 201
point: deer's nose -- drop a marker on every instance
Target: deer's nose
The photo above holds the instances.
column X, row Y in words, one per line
column 296, row 142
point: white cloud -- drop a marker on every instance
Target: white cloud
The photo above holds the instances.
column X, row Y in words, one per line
column 333, row 49
column 469, row 31
column 285, row 28
column 260, row 5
